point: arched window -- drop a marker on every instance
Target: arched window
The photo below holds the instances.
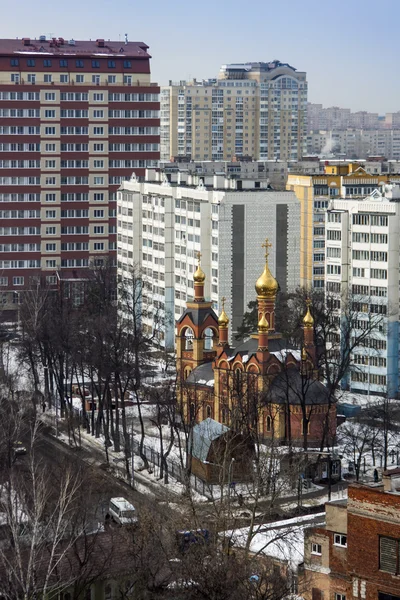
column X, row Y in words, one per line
column 269, row 423
column 208, row 337
column 187, row 372
column 237, row 380
column 192, row 411
column 308, row 426
column 208, row 412
column 224, row 414
column 189, row 336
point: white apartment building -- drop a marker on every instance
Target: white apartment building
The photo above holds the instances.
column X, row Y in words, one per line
column 362, row 259
column 252, row 109
column 164, row 221
column 355, row 143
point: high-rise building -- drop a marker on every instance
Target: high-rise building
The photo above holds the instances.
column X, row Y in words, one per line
column 164, row 221
column 339, row 180
column 252, row 109
column 362, row 266
column 77, row 117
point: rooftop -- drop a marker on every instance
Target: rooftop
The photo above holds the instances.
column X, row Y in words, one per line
column 61, row 47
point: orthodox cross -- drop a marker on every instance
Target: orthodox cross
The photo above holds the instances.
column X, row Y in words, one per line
column 266, row 245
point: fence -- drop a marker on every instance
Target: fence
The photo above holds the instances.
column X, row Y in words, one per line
column 175, row 470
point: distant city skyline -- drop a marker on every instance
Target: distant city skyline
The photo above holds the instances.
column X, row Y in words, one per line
column 347, row 55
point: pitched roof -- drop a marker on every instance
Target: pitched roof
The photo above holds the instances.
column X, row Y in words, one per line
column 291, row 386
column 203, row 434
column 202, row 375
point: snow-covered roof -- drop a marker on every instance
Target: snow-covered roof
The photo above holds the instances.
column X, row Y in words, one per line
column 203, row 434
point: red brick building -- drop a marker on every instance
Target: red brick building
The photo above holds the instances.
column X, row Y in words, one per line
column 356, row 556
column 264, row 380
column 76, row 118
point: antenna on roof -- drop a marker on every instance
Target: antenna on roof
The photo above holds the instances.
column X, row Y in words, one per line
column 126, row 38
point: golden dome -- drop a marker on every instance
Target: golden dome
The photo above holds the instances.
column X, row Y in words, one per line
column 263, row 324
column 308, row 320
column 266, row 284
column 199, row 275
column 223, row 319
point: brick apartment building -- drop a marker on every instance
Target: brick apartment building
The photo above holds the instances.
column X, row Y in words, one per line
column 76, row 118
column 356, row 556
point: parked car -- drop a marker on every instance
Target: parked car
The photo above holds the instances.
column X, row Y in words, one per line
column 19, row 449
column 122, row 512
column 186, row 539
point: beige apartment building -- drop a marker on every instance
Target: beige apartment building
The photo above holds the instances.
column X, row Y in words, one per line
column 252, row 109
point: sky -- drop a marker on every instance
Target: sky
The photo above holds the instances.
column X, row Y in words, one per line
column 348, row 48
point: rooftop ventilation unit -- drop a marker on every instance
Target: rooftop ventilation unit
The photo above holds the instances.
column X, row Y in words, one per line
column 100, row 43
column 71, row 43
column 42, row 38
column 27, row 41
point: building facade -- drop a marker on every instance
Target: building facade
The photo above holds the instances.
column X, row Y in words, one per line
column 339, row 180
column 355, row 556
column 362, row 262
column 355, row 143
column 77, row 117
column 164, row 221
column 252, row 109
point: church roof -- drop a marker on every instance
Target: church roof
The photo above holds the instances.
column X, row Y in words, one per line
column 203, row 434
column 199, row 315
column 202, row 375
column 278, row 345
column 290, row 385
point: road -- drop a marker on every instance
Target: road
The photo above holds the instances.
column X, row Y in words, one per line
column 103, row 485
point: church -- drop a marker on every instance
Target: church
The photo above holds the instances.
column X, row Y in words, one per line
column 263, row 384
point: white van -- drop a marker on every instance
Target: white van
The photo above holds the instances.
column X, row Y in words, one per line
column 122, row 512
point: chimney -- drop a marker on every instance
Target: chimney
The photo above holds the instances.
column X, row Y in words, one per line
column 26, row 41
column 100, row 43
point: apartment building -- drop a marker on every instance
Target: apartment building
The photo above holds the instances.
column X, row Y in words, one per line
column 355, row 143
column 362, row 258
column 275, row 171
column 164, row 221
column 251, row 109
column 339, row 180
column 338, row 118
column 355, row 556
column 77, row 117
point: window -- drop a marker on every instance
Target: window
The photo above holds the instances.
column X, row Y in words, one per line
column 47, row 62
column 50, row 231
column 50, row 247
column 3, row 281
column 63, row 63
column 50, row 114
column 30, row 62
column 98, row 197
column 15, row 77
column 98, row 114
column 48, row 78
column 98, row 214
column 98, row 148
column 95, row 64
column 64, row 78
column 98, row 130
column 111, row 79
column 51, row 279
column 128, row 79
column 98, row 164
column 127, row 64
column 111, row 64
column 99, row 97
column 50, row 131
column 18, row 281
column 49, row 96
column 51, row 264
column 31, row 78
column 340, row 596
column 50, row 214
column 98, row 180
column 96, row 79
column 99, row 245
column 50, row 197
column 99, row 229
column 388, row 551
column 79, row 64
column 316, row 549
column 269, row 423
column 14, row 62
column 50, row 147
column 340, row 540
column 50, row 181
column 80, row 78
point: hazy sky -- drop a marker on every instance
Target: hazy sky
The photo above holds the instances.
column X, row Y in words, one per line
column 348, row 48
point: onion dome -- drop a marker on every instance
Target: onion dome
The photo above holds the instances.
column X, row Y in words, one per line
column 308, row 320
column 223, row 319
column 266, row 285
column 263, row 324
column 199, row 275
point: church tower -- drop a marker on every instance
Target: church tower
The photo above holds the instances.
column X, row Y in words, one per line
column 197, row 334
